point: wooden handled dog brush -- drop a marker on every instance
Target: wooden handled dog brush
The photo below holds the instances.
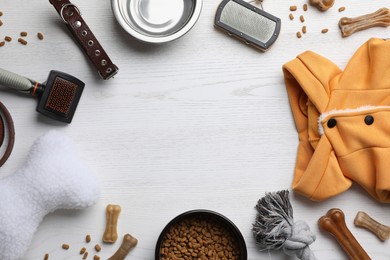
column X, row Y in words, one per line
column 58, row 97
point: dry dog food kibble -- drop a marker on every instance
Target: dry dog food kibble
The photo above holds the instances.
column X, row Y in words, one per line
column 40, row 36
column 98, row 248
column 85, row 255
column 342, row 9
column 299, row 34
column 304, row 29
column 88, row 238
column 302, row 18
column 305, row 7
column 23, row 34
column 46, row 257
column 96, row 257
column 2, row 44
column 1, row 13
column 1, row 22
column 82, row 251
column 293, row 8
column 291, row 16
column 65, row 246
column 8, row 38
column 22, row 41
column 324, row 30
column 199, row 238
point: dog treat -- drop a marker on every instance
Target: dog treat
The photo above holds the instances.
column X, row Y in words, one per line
column 293, row 8
column 1, row 13
column 334, row 223
column 322, row 5
column 23, row 34
column 2, row 43
column 362, row 219
column 40, row 36
column 82, row 250
column 96, row 257
column 98, row 248
column 305, row 7
column 22, row 41
column 1, row 22
column 302, row 18
column 8, row 38
column 299, row 34
column 46, row 257
column 380, row 18
column 128, row 243
column 291, row 16
column 85, row 255
column 88, row 238
column 112, row 214
column 65, row 246
column 324, row 30
column 342, row 9
column 304, row 29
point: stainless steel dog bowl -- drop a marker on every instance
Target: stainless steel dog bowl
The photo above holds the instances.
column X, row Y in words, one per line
column 156, row 21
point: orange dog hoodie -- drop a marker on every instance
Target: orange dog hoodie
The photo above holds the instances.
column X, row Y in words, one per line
column 343, row 122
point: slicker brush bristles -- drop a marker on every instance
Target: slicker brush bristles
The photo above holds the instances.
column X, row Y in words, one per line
column 61, row 96
column 274, row 227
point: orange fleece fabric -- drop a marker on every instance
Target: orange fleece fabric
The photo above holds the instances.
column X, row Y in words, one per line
column 343, row 122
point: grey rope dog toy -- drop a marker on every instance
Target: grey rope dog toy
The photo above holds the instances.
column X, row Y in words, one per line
column 274, row 227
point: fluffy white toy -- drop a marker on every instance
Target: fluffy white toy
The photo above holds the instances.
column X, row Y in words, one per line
column 53, row 178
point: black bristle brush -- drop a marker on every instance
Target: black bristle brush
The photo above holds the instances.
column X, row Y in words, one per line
column 274, row 227
column 58, row 97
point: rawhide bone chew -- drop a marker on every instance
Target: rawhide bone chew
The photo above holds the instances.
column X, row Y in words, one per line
column 112, row 214
column 53, row 177
column 362, row 219
column 128, row 243
column 380, row 18
column 334, row 223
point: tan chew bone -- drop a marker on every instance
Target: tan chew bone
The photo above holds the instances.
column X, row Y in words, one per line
column 334, row 223
column 362, row 219
column 322, row 5
column 348, row 26
column 128, row 243
column 112, row 214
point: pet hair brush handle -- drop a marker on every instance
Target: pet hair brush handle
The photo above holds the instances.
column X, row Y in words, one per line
column 15, row 81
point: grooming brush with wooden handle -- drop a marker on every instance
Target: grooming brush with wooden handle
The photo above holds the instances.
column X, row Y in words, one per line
column 334, row 223
column 57, row 97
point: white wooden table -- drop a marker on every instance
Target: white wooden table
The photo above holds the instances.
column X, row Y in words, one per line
column 199, row 123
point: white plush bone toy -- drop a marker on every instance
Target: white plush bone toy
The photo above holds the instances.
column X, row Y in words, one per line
column 53, row 178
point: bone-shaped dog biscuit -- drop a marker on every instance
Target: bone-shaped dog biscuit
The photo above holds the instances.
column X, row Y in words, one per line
column 334, row 223
column 112, row 214
column 52, row 178
column 128, row 243
column 362, row 219
column 348, row 26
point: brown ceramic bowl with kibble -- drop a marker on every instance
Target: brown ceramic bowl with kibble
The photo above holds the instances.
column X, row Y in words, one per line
column 201, row 234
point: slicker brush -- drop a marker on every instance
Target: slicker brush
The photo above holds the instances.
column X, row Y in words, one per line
column 58, row 97
column 275, row 228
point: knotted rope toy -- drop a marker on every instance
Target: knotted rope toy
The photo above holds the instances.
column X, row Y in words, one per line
column 52, row 178
column 274, row 227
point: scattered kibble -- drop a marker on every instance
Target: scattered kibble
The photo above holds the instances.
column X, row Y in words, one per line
column 22, row 41
column 23, row 34
column 96, row 257
column 65, row 246
column 342, row 9
column 98, row 248
column 291, row 16
column 299, row 34
column 1, row 22
column 40, row 36
column 324, row 30
column 8, row 38
column 302, row 18
column 1, row 13
column 88, row 238
column 85, row 255
column 2, row 43
column 304, row 29
column 293, row 8
column 46, row 257
column 305, row 7
column 82, row 251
